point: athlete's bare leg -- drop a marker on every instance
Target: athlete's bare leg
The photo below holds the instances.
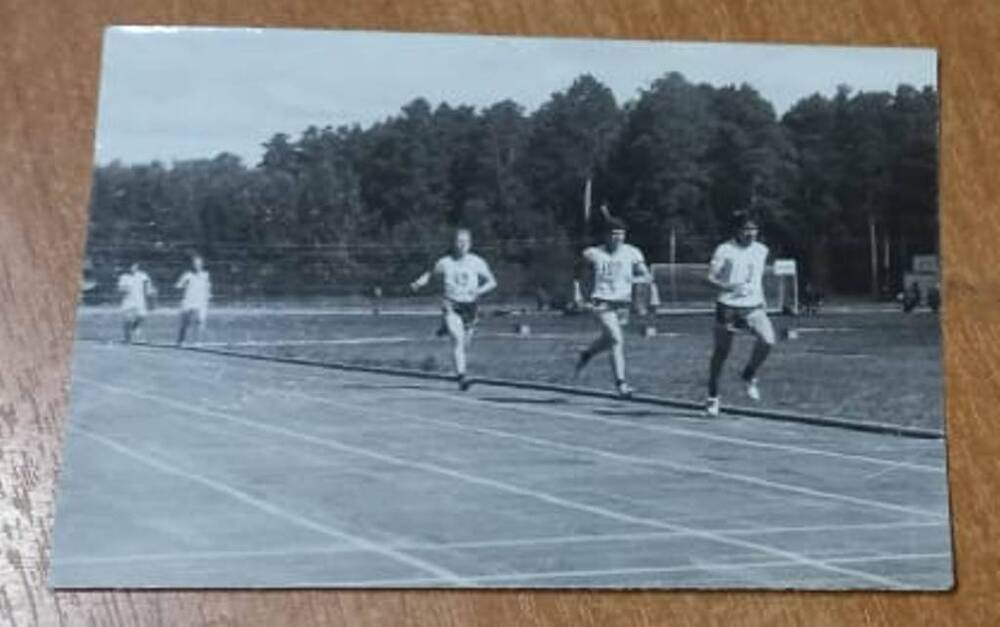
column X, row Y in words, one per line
column 460, row 337
column 720, row 352
column 762, row 329
column 611, row 339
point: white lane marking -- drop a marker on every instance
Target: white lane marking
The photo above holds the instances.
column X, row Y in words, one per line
column 739, row 477
column 479, row 544
column 355, row 377
column 274, row 510
column 504, row 580
column 527, row 407
column 825, row 329
column 689, row 567
column 499, row 485
column 308, row 342
column 626, row 458
column 133, row 558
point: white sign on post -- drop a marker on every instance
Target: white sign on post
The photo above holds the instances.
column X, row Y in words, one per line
column 925, row 263
column 784, row 267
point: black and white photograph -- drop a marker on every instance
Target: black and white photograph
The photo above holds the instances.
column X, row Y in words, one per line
column 395, row 310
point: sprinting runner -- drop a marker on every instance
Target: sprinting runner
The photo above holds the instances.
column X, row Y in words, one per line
column 616, row 267
column 737, row 269
column 466, row 277
column 136, row 288
column 197, row 288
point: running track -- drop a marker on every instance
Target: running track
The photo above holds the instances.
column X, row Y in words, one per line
column 187, row 469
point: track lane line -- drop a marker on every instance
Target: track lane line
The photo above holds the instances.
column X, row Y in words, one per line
column 625, row 458
column 475, row 544
column 356, row 377
column 619, row 457
column 887, row 582
column 269, row 508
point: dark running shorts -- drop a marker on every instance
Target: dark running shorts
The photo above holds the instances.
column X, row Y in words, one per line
column 734, row 318
column 468, row 312
column 620, row 307
column 610, row 305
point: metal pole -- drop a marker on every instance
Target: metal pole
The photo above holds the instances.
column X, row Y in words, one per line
column 781, row 292
column 673, row 266
column 873, row 242
column 887, row 258
column 795, row 291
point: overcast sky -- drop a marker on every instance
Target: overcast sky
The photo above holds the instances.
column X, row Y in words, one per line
column 170, row 93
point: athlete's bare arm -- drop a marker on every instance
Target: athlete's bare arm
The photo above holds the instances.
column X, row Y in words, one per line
column 489, row 282
column 421, row 281
column 715, row 276
column 641, row 273
column 583, row 272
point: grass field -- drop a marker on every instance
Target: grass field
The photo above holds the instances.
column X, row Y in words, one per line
column 883, row 367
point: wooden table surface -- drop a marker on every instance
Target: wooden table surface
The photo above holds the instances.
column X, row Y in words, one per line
column 49, row 59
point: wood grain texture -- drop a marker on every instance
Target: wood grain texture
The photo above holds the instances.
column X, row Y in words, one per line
column 49, row 59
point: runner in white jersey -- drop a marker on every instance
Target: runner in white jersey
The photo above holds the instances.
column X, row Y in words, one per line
column 136, row 288
column 197, row 288
column 466, row 277
column 737, row 269
column 616, row 266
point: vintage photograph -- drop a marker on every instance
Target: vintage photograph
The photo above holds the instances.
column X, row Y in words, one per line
column 397, row 310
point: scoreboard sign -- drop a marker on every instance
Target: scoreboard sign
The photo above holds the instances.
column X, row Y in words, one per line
column 784, row 267
column 925, row 264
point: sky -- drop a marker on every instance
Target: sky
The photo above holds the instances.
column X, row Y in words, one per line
column 172, row 93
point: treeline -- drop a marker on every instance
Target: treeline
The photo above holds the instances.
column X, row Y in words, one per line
column 339, row 210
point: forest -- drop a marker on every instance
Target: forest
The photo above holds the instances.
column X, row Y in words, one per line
column 339, row 210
